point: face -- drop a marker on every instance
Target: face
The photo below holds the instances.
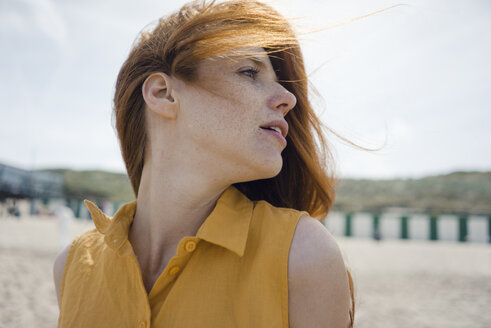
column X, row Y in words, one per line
column 234, row 112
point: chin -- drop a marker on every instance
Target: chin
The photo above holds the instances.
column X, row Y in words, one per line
column 269, row 169
column 263, row 166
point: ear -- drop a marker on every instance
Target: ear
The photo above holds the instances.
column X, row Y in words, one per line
column 158, row 95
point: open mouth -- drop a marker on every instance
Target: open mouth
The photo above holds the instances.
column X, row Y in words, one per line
column 273, row 128
column 276, row 133
column 279, row 127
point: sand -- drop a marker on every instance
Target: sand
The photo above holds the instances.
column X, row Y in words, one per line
column 398, row 283
column 420, row 284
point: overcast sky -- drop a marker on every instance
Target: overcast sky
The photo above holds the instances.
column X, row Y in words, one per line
column 416, row 78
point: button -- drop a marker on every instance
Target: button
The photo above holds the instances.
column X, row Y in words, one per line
column 142, row 324
column 174, row 270
column 190, row 246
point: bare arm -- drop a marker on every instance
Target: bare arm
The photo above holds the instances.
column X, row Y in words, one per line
column 58, row 268
column 318, row 285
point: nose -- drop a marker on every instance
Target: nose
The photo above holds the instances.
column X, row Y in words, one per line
column 282, row 100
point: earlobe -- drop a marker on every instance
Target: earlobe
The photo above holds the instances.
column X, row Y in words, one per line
column 158, row 94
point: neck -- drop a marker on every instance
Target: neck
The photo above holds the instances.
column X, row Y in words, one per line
column 172, row 203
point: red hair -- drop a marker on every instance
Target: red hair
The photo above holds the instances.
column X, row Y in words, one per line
column 201, row 30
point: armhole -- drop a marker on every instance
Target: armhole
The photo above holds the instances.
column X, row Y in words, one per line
column 65, row 269
column 296, row 215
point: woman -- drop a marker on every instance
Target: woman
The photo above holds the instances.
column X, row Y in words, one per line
column 217, row 135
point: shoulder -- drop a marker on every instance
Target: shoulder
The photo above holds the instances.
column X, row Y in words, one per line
column 60, row 262
column 275, row 225
column 266, row 211
column 317, row 279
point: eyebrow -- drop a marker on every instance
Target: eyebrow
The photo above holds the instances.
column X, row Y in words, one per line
column 262, row 65
column 257, row 61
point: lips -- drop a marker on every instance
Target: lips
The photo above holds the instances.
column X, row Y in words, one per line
column 276, row 125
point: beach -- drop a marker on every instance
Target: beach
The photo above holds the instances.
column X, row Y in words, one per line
column 410, row 283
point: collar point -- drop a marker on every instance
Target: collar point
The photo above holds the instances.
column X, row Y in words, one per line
column 101, row 220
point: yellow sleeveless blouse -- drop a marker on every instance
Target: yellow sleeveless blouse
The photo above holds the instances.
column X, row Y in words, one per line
column 233, row 273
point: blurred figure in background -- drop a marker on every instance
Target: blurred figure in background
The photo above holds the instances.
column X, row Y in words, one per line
column 64, row 216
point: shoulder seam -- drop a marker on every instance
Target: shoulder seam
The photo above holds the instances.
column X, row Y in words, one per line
column 286, row 209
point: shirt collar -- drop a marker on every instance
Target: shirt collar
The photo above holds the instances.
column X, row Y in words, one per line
column 226, row 226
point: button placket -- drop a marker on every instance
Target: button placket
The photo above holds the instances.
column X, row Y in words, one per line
column 190, row 246
column 184, row 250
column 187, row 246
column 174, row 270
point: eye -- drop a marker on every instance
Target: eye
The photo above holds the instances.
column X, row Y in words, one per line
column 250, row 72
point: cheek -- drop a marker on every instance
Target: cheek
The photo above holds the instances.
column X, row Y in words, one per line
column 212, row 119
column 232, row 113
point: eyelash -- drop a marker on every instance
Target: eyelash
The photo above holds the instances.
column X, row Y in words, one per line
column 254, row 70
